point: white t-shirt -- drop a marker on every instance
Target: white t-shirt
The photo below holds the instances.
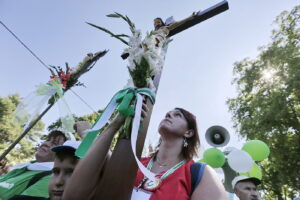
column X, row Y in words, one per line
column 140, row 194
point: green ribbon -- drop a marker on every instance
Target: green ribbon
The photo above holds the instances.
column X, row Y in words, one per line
column 124, row 102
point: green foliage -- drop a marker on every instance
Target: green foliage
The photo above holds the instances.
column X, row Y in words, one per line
column 10, row 130
column 89, row 118
column 267, row 106
column 117, row 36
column 125, row 18
column 140, row 74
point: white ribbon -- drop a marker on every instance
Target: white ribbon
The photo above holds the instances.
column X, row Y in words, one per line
column 105, row 116
column 134, row 134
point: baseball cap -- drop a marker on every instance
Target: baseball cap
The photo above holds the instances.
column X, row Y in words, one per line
column 237, row 179
column 70, row 145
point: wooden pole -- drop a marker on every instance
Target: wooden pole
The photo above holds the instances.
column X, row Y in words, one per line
column 200, row 17
column 25, row 131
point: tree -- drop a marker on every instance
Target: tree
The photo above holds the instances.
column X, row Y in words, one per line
column 267, row 106
column 10, row 130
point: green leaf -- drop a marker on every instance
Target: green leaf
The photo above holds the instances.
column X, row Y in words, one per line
column 109, row 32
column 113, row 15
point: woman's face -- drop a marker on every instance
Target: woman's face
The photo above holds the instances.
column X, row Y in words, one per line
column 173, row 123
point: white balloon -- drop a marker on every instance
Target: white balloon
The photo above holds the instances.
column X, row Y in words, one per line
column 240, row 161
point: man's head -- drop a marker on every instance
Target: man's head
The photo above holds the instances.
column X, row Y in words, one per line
column 44, row 153
column 158, row 22
column 64, row 165
column 245, row 187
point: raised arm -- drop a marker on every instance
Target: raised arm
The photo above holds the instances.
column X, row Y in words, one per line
column 87, row 172
column 210, row 187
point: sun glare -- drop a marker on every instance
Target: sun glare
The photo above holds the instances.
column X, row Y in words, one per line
column 268, row 74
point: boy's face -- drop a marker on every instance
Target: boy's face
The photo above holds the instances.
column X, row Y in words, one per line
column 61, row 173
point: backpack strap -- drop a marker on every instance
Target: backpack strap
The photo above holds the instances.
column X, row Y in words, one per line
column 197, row 170
column 26, row 197
column 38, row 177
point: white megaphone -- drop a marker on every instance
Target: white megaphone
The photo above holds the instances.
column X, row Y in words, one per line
column 217, row 136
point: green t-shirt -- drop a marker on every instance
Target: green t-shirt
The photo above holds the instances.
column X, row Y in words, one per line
column 16, row 181
column 39, row 189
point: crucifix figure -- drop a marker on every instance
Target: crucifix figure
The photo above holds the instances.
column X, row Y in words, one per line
column 113, row 177
column 168, row 29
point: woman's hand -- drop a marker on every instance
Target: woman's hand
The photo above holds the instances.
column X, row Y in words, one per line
column 145, row 109
column 117, row 121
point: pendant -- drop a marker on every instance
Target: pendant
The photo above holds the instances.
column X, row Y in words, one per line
column 152, row 185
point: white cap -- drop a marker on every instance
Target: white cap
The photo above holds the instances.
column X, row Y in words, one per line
column 68, row 145
column 237, row 179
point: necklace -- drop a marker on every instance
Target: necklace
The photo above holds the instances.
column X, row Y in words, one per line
column 161, row 165
column 150, row 185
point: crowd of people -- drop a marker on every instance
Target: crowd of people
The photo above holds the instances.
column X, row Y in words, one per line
column 56, row 173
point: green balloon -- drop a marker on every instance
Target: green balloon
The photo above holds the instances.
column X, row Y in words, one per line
column 257, row 149
column 214, row 157
column 255, row 171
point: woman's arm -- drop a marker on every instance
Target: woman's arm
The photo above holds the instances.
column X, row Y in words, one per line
column 210, row 187
column 86, row 174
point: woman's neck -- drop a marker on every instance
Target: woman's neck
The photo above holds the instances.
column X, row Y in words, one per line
column 170, row 152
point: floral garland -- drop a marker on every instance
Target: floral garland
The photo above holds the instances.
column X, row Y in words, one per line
column 53, row 91
column 145, row 57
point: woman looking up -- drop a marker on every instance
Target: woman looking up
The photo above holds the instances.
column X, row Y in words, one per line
column 171, row 163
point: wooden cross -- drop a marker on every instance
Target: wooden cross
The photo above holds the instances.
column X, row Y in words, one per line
column 119, row 175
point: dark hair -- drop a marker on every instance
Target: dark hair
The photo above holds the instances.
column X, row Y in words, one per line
column 56, row 133
column 193, row 142
column 162, row 22
column 67, row 153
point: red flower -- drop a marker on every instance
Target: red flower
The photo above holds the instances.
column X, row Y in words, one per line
column 64, row 78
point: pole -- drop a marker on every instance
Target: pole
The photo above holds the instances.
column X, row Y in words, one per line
column 200, row 17
column 25, row 132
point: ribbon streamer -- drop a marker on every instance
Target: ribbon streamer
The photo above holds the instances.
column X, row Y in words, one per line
column 30, row 107
column 121, row 101
column 134, row 133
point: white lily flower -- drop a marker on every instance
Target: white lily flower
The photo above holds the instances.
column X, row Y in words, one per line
column 153, row 48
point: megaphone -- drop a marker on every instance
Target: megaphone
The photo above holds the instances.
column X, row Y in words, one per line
column 217, row 136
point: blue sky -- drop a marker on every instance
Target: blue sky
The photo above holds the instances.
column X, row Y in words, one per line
column 198, row 70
